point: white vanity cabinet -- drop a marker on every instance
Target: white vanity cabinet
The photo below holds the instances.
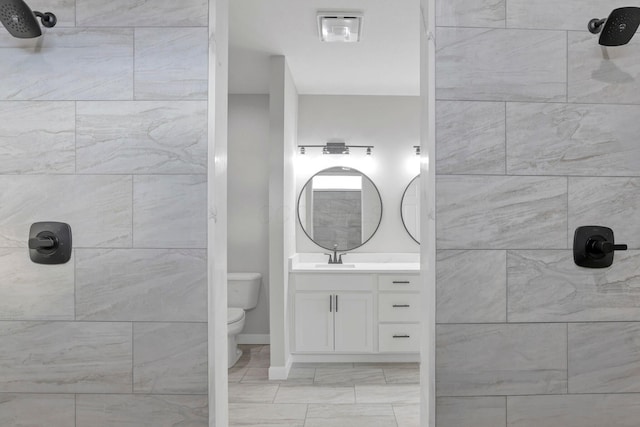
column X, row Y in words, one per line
column 334, row 321
column 355, row 313
column 333, row 313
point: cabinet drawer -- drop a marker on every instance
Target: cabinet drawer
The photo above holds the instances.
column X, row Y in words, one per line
column 398, row 338
column 399, row 282
column 400, row 307
column 333, row 282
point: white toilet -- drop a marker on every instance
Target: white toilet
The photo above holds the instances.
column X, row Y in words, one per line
column 243, row 290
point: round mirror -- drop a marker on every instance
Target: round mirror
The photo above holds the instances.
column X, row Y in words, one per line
column 340, row 208
column 410, row 209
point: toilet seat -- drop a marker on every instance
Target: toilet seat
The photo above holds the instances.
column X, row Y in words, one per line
column 234, row 315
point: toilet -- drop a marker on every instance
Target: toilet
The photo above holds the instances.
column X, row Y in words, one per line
column 243, row 290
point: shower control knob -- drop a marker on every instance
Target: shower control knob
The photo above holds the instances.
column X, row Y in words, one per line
column 593, row 246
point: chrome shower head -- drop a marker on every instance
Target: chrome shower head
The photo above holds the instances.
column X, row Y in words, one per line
column 21, row 22
column 619, row 28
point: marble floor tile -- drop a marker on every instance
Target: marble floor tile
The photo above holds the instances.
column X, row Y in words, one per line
column 407, row 415
column 260, row 414
column 402, row 375
column 235, row 374
column 253, row 375
column 323, row 365
column 321, row 415
column 253, row 393
column 349, row 376
column 352, row 422
column 392, row 393
column 315, row 394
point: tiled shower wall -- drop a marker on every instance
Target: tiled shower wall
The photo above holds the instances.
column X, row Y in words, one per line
column 103, row 124
column 537, row 134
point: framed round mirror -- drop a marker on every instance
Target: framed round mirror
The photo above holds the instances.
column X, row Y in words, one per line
column 340, row 208
column 410, row 209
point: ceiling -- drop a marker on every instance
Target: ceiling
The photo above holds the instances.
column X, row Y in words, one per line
column 385, row 62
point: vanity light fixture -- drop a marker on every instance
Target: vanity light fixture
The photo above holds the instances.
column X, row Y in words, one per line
column 340, row 26
column 417, row 148
column 336, row 148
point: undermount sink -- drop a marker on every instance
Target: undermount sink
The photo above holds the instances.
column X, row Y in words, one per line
column 327, row 265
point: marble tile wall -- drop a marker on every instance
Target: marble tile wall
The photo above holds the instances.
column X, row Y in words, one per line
column 103, row 124
column 536, row 135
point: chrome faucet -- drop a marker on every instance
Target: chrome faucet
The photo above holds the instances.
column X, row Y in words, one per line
column 335, row 259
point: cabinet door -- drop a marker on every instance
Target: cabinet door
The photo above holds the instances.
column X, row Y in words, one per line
column 354, row 322
column 313, row 321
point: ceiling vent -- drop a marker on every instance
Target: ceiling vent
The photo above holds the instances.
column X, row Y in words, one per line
column 340, row 26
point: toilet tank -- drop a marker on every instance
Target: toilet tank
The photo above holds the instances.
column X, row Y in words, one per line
column 243, row 290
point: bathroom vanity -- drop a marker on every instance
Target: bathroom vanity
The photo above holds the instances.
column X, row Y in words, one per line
column 365, row 310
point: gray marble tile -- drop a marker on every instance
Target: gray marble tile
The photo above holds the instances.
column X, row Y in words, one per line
column 603, row 357
column 487, row 212
column 32, row 410
column 501, row 65
column 407, row 415
column 471, row 412
column 253, row 414
column 30, row 291
column 152, row 137
column 350, row 415
column 142, row 411
column 566, row 139
column 141, row 285
column 170, row 358
column 98, row 208
column 490, row 360
column 596, row 410
column 170, row 211
column 65, row 357
column 470, row 137
column 402, row 375
column 566, row 15
column 253, row 393
column 171, row 63
column 471, row 13
column 319, row 410
column 149, row 13
column 602, row 75
column 352, row 421
column 547, row 286
column 37, row 137
column 390, row 393
column 609, row 202
column 460, row 274
column 315, row 394
column 349, row 376
column 63, row 65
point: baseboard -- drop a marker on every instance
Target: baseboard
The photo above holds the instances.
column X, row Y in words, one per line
column 355, row 358
column 253, row 339
column 280, row 372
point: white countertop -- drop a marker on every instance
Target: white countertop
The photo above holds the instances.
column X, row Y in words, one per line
column 356, row 263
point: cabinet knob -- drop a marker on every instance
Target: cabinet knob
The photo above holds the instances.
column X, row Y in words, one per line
column 401, row 306
column 402, row 336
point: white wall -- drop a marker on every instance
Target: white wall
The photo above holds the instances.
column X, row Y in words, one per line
column 392, row 125
column 283, row 112
column 248, row 201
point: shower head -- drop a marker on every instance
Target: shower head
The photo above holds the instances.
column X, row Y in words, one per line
column 618, row 29
column 21, row 22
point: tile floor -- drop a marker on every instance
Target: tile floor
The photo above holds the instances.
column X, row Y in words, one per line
column 323, row 394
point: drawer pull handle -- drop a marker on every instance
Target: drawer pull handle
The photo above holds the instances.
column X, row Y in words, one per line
column 401, row 306
column 401, row 282
column 402, row 336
